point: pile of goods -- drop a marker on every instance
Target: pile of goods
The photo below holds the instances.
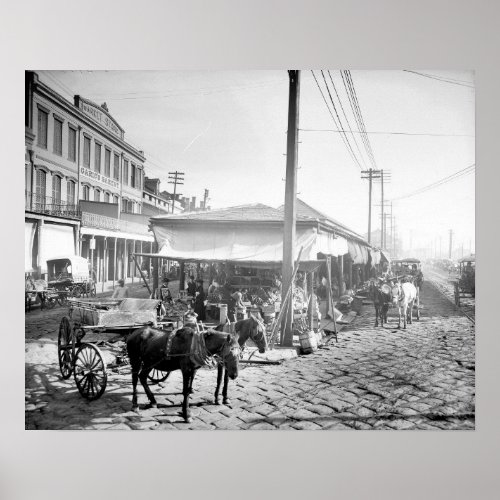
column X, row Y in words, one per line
column 215, row 297
column 176, row 309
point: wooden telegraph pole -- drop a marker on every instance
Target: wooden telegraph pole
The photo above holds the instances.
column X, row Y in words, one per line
column 290, row 204
column 370, row 175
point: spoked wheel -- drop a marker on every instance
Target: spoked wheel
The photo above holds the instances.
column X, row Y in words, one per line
column 90, row 372
column 156, row 376
column 93, row 291
column 50, row 302
column 65, row 348
column 62, row 299
column 76, row 292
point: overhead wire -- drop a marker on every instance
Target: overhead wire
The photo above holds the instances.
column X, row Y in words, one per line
column 430, row 134
column 440, row 182
column 357, row 106
column 347, row 119
column 353, row 156
column 341, row 126
column 441, row 79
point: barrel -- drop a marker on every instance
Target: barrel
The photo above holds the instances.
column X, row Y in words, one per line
column 223, row 313
column 308, row 341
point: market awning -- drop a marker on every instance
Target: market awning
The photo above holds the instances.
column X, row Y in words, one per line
column 241, row 244
column 358, row 253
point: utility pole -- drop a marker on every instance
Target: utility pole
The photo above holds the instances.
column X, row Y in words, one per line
column 205, row 198
column 370, row 175
column 175, row 178
column 290, row 205
column 451, row 239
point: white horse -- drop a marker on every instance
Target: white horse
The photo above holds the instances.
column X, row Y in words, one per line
column 404, row 297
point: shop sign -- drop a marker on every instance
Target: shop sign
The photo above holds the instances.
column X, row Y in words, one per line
column 96, row 176
column 98, row 114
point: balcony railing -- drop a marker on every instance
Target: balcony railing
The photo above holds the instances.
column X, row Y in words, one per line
column 50, row 206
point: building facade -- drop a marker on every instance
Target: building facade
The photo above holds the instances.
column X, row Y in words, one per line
column 84, row 185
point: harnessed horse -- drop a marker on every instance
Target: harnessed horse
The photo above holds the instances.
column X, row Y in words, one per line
column 183, row 350
column 404, row 296
column 243, row 330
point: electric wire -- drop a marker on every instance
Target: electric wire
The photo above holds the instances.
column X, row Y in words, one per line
column 356, row 161
column 440, row 182
column 441, row 79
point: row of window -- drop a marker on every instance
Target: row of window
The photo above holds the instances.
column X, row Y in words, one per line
column 156, row 201
column 132, row 176
column 41, row 191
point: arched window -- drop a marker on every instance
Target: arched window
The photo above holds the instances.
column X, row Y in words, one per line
column 97, row 194
column 106, row 197
column 41, row 185
column 86, row 193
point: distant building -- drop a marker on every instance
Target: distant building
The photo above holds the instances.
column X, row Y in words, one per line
column 84, row 185
column 156, row 202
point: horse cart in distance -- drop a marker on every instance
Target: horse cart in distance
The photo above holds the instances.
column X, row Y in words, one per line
column 98, row 322
column 466, row 282
column 71, row 275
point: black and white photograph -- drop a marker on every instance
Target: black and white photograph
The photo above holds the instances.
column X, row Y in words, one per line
column 250, row 249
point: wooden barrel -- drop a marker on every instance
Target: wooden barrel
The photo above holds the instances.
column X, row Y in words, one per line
column 308, row 342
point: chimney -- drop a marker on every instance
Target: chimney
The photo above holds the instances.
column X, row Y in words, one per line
column 193, row 203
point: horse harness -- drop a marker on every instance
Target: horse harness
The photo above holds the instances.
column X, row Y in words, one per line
column 198, row 352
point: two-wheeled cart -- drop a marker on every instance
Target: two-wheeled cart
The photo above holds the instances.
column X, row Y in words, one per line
column 92, row 323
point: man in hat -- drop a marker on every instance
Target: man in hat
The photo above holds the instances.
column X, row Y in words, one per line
column 121, row 291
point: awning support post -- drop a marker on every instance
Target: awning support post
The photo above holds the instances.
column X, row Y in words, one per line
column 142, row 274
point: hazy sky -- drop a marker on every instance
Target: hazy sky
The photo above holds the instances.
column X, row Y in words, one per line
column 227, row 131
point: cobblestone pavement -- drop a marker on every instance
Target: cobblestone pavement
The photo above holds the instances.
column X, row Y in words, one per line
column 373, row 378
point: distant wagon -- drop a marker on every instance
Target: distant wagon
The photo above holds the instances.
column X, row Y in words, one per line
column 71, row 274
column 466, row 282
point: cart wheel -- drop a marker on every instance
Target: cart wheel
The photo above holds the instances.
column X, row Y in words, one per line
column 90, row 372
column 93, row 290
column 62, row 299
column 50, row 303
column 65, row 348
column 156, row 376
column 76, row 292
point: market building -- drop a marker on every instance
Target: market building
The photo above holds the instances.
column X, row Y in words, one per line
column 83, row 185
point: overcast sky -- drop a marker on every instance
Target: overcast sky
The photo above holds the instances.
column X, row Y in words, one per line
column 227, row 132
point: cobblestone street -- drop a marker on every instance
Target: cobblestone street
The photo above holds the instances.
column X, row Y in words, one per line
column 373, row 378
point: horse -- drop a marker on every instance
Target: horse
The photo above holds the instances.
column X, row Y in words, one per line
column 403, row 297
column 184, row 350
column 381, row 296
column 244, row 329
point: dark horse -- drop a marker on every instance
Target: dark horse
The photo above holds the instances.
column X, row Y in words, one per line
column 243, row 330
column 381, row 296
column 183, row 350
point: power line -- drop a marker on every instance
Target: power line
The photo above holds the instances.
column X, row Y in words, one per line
column 441, row 79
column 353, row 89
column 347, row 119
column 334, row 121
column 444, row 180
column 386, row 133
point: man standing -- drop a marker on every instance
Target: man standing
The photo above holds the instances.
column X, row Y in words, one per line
column 121, row 291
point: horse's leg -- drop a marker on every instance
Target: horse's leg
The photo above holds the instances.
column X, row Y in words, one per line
column 410, row 306
column 135, row 378
column 225, row 399
column 220, row 370
column 399, row 316
column 187, row 375
column 418, row 304
column 143, row 377
column 405, row 312
column 376, row 315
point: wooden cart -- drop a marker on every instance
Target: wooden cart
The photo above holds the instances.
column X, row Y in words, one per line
column 99, row 321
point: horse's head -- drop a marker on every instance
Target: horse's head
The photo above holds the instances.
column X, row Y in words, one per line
column 396, row 292
column 254, row 329
column 230, row 356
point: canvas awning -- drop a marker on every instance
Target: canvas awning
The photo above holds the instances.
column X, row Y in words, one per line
column 260, row 246
column 358, row 253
